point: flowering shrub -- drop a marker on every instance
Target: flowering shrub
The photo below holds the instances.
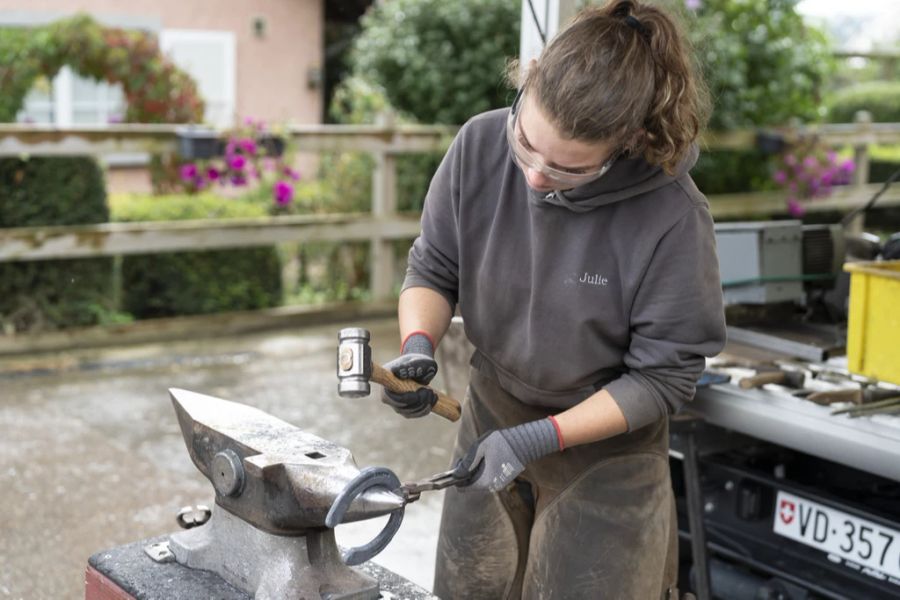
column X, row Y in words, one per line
column 249, row 159
column 155, row 89
column 809, row 171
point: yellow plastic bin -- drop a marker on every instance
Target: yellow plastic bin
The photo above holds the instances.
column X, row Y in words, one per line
column 873, row 333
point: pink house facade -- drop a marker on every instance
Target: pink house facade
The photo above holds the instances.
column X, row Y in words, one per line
column 257, row 59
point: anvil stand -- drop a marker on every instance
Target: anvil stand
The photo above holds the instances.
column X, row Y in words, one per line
column 266, row 538
column 275, row 566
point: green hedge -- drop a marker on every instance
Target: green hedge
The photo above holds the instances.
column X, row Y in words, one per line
column 881, row 98
column 185, row 283
column 52, row 294
column 731, row 171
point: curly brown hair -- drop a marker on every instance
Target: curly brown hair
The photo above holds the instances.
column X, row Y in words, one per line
column 623, row 71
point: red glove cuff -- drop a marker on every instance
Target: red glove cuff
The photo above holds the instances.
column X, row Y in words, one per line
column 417, row 332
column 559, row 435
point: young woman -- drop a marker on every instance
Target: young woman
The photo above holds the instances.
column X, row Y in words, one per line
column 581, row 256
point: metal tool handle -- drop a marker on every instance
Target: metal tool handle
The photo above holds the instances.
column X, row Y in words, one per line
column 760, row 379
column 445, row 406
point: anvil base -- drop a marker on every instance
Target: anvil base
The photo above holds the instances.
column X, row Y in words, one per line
column 127, row 573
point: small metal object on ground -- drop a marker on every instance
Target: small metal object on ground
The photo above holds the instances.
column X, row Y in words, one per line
column 193, row 516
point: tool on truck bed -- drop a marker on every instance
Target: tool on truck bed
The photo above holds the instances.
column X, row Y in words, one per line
column 355, row 368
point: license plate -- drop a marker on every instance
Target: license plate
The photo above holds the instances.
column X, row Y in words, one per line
column 857, row 543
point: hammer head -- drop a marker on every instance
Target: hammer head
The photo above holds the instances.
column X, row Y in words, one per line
column 354, row 362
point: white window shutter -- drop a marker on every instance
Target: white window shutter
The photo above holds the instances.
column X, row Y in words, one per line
column 209, row 57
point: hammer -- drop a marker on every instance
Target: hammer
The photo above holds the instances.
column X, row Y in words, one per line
column 355, row 369
column 794, row 379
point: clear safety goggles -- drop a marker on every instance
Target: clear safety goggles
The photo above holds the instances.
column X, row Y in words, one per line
column 526, row 159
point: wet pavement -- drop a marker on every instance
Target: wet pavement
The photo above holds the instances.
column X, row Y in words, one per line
column 91, row 456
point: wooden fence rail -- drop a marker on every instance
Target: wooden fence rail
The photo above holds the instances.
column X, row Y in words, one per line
column 384, row 225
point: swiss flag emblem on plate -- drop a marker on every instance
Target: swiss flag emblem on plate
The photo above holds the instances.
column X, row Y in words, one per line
column 786, row 511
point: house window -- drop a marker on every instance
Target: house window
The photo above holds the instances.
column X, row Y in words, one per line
column 96, row 102
column 73, row 100
column 209, row 57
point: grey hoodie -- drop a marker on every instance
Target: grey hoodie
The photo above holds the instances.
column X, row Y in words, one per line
column 613, row 284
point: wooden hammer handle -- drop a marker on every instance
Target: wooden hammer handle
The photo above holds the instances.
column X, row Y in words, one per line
column 760, row 379
column 831, row 396
column 445, row 406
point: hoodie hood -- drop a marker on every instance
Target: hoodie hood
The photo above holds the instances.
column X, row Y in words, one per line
column 627, row 178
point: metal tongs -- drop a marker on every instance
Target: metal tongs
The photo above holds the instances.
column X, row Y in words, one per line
column 412, row 491
column 384, row 478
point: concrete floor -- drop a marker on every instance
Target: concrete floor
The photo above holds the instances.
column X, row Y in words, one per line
column 91, row 456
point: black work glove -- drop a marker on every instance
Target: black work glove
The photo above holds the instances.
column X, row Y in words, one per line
column 499, row 456
column 416, row 362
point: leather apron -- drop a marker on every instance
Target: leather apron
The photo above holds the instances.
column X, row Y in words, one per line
column 594, row 521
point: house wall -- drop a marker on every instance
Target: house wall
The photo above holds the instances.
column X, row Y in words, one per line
column 272, row 71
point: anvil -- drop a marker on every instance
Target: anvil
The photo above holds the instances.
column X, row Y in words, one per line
column 274, row 484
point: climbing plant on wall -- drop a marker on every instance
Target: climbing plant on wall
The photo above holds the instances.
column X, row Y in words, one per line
column 156, row 91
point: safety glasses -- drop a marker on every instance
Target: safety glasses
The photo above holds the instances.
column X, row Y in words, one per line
column 563, row 179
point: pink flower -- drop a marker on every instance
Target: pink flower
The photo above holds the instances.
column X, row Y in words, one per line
column 212, row 173
column 795, row 208
column 848, row 166
column 790, row 160
column 283, row 192
column 780, row 177
column 237, row 162
column 810, row 162
column 814, row 189
column 188, row 172
column 295, row 175
column 248, row 145
column 238, row 180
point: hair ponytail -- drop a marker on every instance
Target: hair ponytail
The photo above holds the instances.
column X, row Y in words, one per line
column 623, row 72
column 679, row 108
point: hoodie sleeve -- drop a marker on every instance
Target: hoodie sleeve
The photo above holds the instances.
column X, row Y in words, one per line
column 434, row 257
column 677, row 319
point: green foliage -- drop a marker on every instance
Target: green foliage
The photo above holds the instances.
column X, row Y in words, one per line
column 188, row 283
column 880, row 98
column 764, row 67
column 185, row 283
column 730, row 171
column 357, row 102
column 439, row 61
column 51, row 294
column 414, row 173
column 884, row 161
column 178, row 207
column 155, row 89
column 763, row 64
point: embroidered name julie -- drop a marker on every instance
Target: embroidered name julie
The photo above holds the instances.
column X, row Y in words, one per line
column 595, row 279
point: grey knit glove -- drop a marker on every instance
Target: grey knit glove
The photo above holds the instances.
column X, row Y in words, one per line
column 416, row 362
column 497, row 457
